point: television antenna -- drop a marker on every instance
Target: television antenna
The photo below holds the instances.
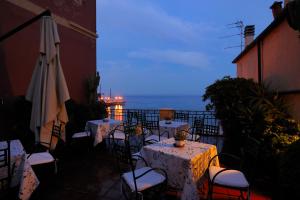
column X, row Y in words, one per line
column 236, row 25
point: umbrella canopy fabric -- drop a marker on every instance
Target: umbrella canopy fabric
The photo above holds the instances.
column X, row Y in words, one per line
column 47, row 90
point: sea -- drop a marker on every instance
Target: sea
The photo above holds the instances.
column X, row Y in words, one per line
column 182, row 102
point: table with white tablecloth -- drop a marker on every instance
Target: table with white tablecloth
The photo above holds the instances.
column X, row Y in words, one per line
column 184, row 165
column 23, row 174
column 172, row 126
column 101, row 128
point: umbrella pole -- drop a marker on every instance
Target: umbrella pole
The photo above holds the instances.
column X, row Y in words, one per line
column 24, row 25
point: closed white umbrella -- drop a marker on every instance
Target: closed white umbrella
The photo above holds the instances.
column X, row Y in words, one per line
column 48, row 89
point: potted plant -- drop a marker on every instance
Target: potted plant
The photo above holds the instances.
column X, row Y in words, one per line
column 180, row 138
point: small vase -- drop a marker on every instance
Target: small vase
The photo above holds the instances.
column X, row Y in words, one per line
column 179, row 143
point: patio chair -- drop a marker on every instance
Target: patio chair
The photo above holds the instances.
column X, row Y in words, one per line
column 6, row 171
column 231, row 177
column 131, row 118
column 151, row 132
column 145, row 181
column 119, row 133
column 118, row 144
column 181, row 116
column 195, row 132
column 42, row 155
column 78, row 137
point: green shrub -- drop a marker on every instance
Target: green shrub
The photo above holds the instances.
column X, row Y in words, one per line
column 247, row 108
column 231, row 99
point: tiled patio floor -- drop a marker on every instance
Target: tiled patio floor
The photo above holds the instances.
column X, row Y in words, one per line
column 89, row 176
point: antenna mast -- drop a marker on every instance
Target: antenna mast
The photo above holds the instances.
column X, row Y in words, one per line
column 240, row 26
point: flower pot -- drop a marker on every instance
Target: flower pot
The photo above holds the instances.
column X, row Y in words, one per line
column 179, row 143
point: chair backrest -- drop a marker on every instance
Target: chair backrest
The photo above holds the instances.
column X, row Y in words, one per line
column 133, row 167
column 55, row 132
column 120, row 146
column 54, row 138
column 227, row 160
column 152, row 125
column 5, row 165
column 198, row 125
column 130, row 118
column 179, row 116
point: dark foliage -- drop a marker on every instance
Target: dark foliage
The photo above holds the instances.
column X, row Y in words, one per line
column 247, row 108
column 290, row 172
column 15, row 115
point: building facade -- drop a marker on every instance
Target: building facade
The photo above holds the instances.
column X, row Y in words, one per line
column 76, row 21
column 274, row 58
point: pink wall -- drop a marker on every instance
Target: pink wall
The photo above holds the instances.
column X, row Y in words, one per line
column 18, row 53
column 247, row 66
column 281, row 58
column 280, row 63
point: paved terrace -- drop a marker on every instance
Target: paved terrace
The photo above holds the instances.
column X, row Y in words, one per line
column 93, row 175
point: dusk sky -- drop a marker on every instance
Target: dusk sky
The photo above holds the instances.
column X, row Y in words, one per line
column 170, row 47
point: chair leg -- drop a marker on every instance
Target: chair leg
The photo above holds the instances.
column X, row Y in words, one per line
column 123, row 191
column 56, row 166
column 210, row 191
column 248, row 193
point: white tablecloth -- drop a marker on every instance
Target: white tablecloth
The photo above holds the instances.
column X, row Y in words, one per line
column 23, row 173
column 184, row 165
column 100, row 129
column 173, row 128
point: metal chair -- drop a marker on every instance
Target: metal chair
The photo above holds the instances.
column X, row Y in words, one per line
column 6, row 170
column 131, row 118
column 141, row 182
column 206, row 133
column 151, row 131
column 231, row 177
column 181, row 116
column 82, row 135
column 118, row 145
column 82, row 138
column 194, row 133
column 43, row 154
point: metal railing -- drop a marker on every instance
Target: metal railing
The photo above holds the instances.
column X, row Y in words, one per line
column 208, row 117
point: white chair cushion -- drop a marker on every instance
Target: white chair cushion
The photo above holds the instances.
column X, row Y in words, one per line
column 119, row 135
column 150, row 179
column 156, row 138
column 81, row 134
column 232, row 178
column 40, row 158
column 136, row 155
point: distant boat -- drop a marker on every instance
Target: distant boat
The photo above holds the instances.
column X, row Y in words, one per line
column 112, row 101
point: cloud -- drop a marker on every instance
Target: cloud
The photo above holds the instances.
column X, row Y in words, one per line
column 185, row 58
column 141, row 17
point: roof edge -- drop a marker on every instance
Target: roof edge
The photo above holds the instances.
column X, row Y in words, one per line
column 263, row 34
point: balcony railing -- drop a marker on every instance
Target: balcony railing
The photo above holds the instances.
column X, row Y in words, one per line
column 210, row 121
